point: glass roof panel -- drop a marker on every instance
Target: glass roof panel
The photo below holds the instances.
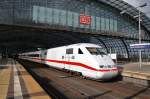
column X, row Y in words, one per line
column 132, row 11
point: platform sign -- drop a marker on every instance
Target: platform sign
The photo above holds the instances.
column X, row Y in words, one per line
column 85, row 19
column 113, row 55
column 141, row 46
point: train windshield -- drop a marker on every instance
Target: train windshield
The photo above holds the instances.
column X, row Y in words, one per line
column 96, row 51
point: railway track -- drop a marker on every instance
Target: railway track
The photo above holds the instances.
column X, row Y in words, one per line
column 61, row 85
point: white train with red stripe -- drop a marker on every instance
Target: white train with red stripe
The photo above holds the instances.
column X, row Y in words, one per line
column 88, row 59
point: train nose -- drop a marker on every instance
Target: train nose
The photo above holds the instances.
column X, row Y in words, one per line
column 108, row 74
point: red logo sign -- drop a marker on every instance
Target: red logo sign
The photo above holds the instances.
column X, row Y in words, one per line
column 84, row 19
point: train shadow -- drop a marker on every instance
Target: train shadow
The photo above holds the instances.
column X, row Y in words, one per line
column 113, row 80
column 32, row 64
column 116, row 79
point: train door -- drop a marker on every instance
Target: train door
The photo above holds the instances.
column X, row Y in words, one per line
column 43, row 56
column 68, row 57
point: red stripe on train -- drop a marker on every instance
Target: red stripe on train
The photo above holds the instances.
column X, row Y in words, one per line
column 76, row 63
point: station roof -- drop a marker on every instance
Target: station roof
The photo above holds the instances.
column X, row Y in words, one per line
column 130, row 10
column 21, row 38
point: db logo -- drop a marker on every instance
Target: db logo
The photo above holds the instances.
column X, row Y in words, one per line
column 86, row 20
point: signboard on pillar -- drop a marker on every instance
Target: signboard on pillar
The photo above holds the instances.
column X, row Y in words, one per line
column 140, row 46
column 85, row 19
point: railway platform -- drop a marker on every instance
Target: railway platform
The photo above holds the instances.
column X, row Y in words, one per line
column 133, row 73
column 17, row 83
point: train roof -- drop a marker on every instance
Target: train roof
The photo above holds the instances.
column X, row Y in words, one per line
column 71, row 45
column 84, row 45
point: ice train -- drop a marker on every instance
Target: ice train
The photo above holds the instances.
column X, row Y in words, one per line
column 88, row 59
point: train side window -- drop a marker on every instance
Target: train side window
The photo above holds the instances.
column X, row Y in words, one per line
column 69, row 51
column 80, row 51
column 45, row 53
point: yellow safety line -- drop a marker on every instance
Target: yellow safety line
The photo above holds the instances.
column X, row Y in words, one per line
column 4, row 82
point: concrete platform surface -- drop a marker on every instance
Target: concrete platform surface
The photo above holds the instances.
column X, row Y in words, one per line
column 5, row 71
column 17, row 83
column 133, row 73
column 134, row 67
